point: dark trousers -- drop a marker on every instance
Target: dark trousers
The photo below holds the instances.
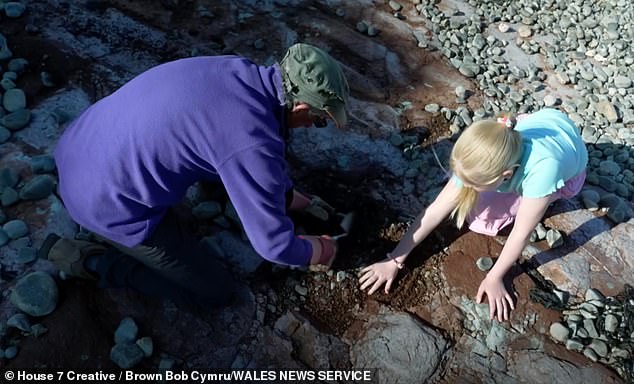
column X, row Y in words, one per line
column 171, row 264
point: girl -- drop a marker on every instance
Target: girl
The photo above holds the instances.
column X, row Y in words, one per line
column 500, row 172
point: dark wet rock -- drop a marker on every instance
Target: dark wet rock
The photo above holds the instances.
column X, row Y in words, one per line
column 35, row 294
column 126, row 355
column 231, row 248
column 37, row 188
column 5, row 134
column 4, row 238
column 11, row 352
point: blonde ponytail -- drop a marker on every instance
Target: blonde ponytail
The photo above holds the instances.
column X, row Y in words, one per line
column 467, row 199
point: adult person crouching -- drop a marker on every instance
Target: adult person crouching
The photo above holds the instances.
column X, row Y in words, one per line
column 129, row 158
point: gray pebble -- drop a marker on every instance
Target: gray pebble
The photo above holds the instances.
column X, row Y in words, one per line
column 126, row 331
column 554, row 238
column 14, row 9
column 37, row 188
column 484, row 263
column 11, row 352
column 126, row 355
column 19, row 321
column 559, row 332
column 13, row 100
column 146, row 345
column 35, row 294
column 15, row 228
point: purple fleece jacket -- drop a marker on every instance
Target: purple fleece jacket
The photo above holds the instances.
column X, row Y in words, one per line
column 133, row 154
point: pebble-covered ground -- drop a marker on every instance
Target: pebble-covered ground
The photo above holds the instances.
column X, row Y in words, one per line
column 420, row 71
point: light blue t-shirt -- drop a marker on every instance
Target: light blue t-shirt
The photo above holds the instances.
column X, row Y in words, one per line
column 553, row 152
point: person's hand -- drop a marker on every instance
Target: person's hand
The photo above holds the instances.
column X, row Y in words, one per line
column 500, row 301
column 319, row 208
column 377, row 274
column 324, row 252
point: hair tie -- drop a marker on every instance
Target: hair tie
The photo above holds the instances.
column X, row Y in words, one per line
column 507, row 121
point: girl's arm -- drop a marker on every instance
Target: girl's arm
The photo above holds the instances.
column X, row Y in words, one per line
column 385, row 271
column 530, row 212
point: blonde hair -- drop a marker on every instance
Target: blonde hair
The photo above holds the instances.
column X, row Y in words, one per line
column 482, row 153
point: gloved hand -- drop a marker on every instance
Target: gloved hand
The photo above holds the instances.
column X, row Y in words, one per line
column 324, row 250
column 312, row 205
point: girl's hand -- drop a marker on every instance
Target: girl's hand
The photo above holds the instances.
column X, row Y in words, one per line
column 378, row 274
column 499, row 299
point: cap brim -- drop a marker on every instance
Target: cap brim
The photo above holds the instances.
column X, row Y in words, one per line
column 338, row 114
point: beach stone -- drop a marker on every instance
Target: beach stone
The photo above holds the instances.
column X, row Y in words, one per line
column 147, row 345
column 8, row 178
column 594, row 294
column 607, row 109
column 126, row 331
column 600, row 347
column 13, row 100
column 26, row 255
column 9, row 196
column 559, row 332
column 126, row 355
column 550, row 100
column 574, row 345
column 14, row 9
column 554, row 238
column 432, row 108
column 37, row 188
column 622, row 82
column 484, row 263
column 524, row 31
column 15, row 228
column 42, row 164
column 20, row 321
column 16, row 120
column 611, row 323
column 35, row 294
column 590, row 354
column 504, row 27
column 11, row 352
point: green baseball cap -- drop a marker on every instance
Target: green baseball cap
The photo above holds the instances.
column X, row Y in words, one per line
column 314, row 77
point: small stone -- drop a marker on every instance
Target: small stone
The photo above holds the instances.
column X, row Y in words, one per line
column 15, row 228
column 372, row 31
column 591, row 195
column 594, row 294
column 554, row 238
column 4, row 238
column 26, row 255
column 126, row 355
column 5, row 134
column 39, row 187
column 590, row 354
column 600, row 347
column 362, row 26
column 541, row 231
column 559, row 332
column 574, row 345
column 432, row 108
column 14, row 9
column 16, row 120
column 47, row 79
column 20, row 321
column 611, row 323
column 484, row 263
column 395, row 5
column 588, row 324
column 550, row 100
column 303, row 291
column 607, row 109
column 11, row 352
column 14, row 100
column 341, row 276
column 147, row 345
column 9, row 197
column 504, row 27
column 622, row 82
column 258, row 44
column 8, row 178
column 524, row 31
column 126, row 331
column 35, row 294
column 461, row 92
column 38, row 330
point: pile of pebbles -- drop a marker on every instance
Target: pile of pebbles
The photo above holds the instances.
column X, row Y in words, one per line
column 601, row 327
column 129, row 350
